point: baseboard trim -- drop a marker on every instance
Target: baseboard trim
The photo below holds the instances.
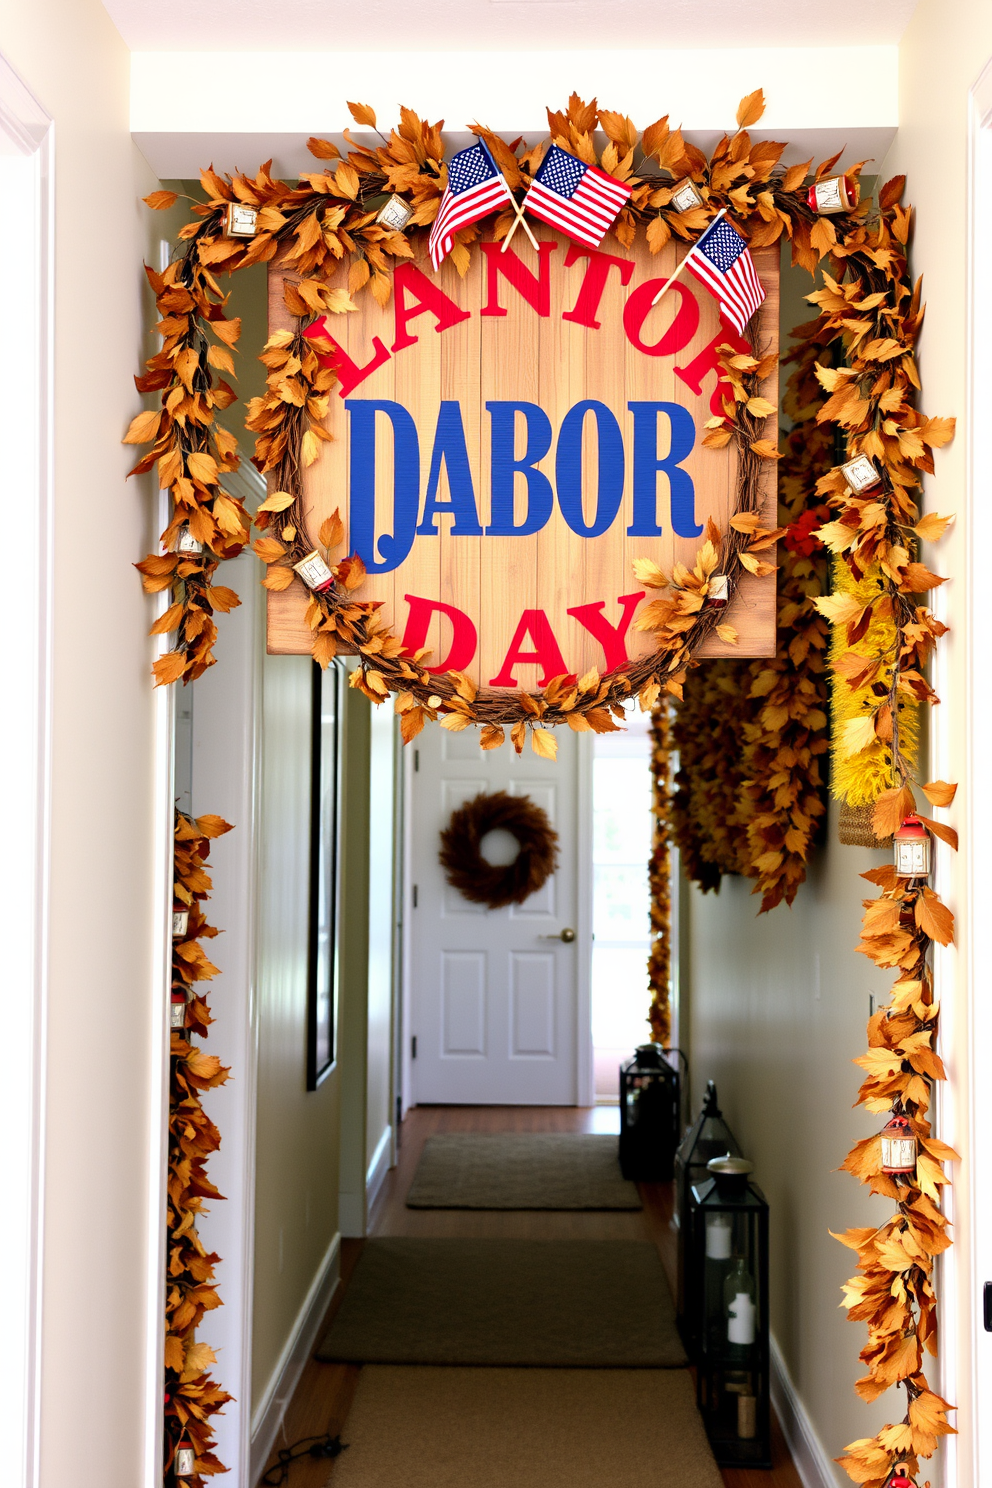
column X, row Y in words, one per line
column 267, row 1418
column 812, row 1461
column 378, row 1168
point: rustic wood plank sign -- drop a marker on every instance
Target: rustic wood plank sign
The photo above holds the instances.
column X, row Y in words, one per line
column 505, row 445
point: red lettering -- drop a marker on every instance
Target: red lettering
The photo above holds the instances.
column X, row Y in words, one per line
column 583, row 312
column 682, row 328
column 535, row 288
column 427, row 298
column 546, row 652
column 612, row 638
column 349, row 372
column 706, row 362
column 464, row 636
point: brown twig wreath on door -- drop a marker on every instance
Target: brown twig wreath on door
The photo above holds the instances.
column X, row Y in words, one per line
column 496, row 885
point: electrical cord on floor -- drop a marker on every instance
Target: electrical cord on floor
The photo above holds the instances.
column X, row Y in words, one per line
column 307, row 1446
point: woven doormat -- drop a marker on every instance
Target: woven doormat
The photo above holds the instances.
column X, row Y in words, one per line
column 521, row 1170
column 539, row 1428
column 565, row 1303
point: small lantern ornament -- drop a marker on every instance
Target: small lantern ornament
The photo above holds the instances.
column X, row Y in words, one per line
column 861, row 474
column 911, row 847
column 718, row 592
column 686, row 196
column 314, row 572
column 833, row 194
column 242, row 220
column 898, row 1147
column 184, row 1465
column 900, row 1477
column 395, row 214
column 180, row 923
column 177, row 1010
column 185, row 544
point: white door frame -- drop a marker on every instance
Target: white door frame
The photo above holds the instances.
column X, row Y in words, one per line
column 969, row 1457
column 26, row 264
column 584, row 1074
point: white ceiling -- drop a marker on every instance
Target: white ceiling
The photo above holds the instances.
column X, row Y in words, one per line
column 535, row 25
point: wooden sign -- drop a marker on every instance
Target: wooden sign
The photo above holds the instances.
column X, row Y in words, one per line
column 505, row 445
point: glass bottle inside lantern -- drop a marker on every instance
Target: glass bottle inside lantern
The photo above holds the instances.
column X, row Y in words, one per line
column 740, row 1308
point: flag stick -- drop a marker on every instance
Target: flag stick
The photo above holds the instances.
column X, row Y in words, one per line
column 668, row 284
column 520, row 222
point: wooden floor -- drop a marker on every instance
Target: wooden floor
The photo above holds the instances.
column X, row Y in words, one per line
column 325, row 1392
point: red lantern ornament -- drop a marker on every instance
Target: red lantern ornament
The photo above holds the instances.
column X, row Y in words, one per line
column 185, row 544
column 900, row 1478
column 911, row 849
column 177, row 1011
column 898, row 1146
column 718, row 592
column 314, row 572
column 833, row 194
column 184, row 1465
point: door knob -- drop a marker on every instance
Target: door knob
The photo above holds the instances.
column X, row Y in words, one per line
column 566, row 935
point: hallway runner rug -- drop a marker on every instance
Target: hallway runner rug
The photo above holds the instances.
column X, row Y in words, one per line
column 535, row 1428
column 557, row 1303
column 521, row 1170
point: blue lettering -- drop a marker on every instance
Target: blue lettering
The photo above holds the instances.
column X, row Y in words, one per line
column 450, row 447
column 610, row 468
column 647, row 465
column 505, row 467
column 392, row 548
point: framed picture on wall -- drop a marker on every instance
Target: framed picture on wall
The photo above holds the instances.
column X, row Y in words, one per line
column 325, row 828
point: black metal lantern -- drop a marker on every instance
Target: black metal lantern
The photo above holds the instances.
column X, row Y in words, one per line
column 708, row 1137
column 728, row 1236
column 650, row 1114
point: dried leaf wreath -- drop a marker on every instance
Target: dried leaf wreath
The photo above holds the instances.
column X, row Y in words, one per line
column 488, row 883
column 869, row 319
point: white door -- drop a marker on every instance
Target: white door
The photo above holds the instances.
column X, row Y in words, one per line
column 499, row 1002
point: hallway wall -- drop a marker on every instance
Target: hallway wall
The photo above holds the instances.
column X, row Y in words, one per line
column 107, row 988
column 779, row 1004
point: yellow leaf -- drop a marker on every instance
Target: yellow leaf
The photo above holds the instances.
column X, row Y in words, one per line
column 763, row 448
column 278, row 579
column 143, row 428
column 160, row 201
column 277, row 502
column 932, row 527
column 492, row 736
column 750, row 109
column 760, row 407
column 940, row 792
column 362, row 114
column 455, row 722
column 331, row 533
column 856, row 735
column 648, row 573
column 202, row 467
column 728, row 634
column 840, row 609
column 544, row 743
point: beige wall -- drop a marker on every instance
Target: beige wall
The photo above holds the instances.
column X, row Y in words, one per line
column 297, row 1131
column 779, row 1004
column 105, row 998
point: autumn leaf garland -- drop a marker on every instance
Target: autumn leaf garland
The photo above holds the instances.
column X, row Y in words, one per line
column 869, row 313
column 192, row 1397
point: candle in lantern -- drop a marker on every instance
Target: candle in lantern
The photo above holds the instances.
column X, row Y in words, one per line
column 186, row 544
column 718, row 1237
column 180, row 923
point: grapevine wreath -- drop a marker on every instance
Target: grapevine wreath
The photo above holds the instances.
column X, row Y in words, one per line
column 489, row 883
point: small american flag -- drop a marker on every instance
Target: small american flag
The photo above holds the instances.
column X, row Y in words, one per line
column 475, row 188
column 580, row 198
column 722, row 261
